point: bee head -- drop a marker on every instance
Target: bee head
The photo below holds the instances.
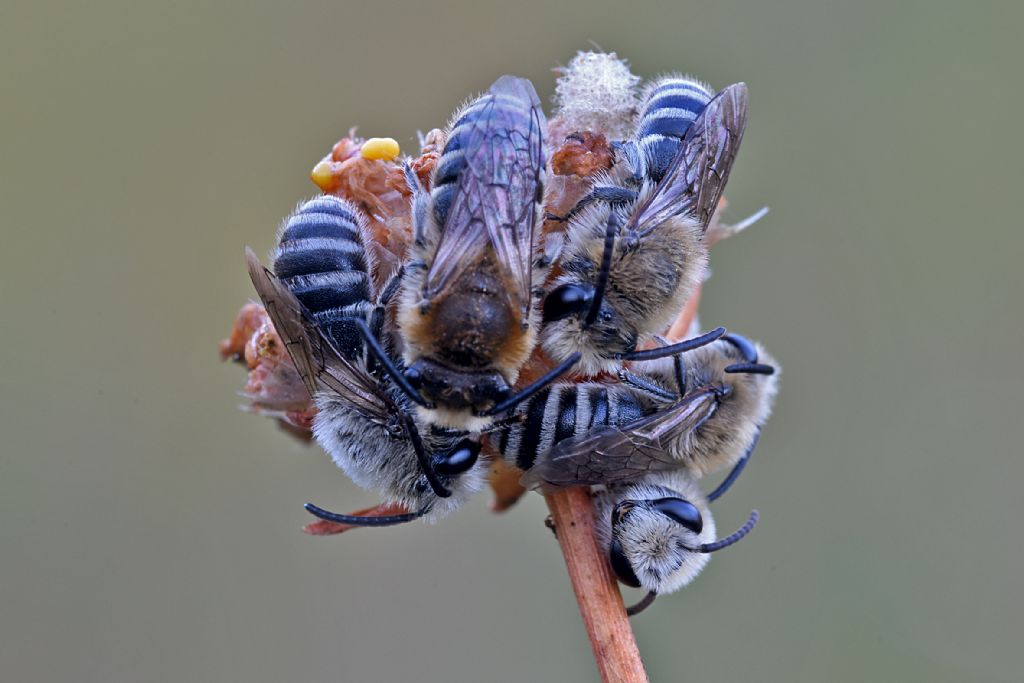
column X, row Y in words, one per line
column 457, row 388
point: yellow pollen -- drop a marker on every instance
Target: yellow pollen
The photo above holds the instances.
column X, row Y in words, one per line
column 380, row 148
column 321, row 175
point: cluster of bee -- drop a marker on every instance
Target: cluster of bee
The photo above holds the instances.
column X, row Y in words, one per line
column 508, row 329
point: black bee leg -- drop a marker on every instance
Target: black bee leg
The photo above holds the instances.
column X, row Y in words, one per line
column 644, row 603
column 673, row 349
column 358, row 520
column 613, row 194
column 389, row 366
column 528, row 391
column 641, row 384
column 737, row 470
column 422, row 458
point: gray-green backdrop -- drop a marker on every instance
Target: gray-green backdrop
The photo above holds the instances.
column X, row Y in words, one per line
column 149, row 530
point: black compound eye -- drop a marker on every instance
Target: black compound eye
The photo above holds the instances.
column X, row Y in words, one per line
column 621, row 566
column 682, row 511
column 567, row 300
column 459, row 460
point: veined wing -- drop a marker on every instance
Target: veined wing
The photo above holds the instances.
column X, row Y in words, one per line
column 695, row 180
column 625, row 453
column 319, row 364
column 495, row 200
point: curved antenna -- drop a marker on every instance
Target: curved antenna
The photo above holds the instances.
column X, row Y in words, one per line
column 389, row 366
column 737, row 470
column 644, row 603
column 528, row 391
column 606, row 268
column 744, row 346
column 421, row 457
column 356, row 520
column 732, row 538
column 673, row 349
column 750, row 369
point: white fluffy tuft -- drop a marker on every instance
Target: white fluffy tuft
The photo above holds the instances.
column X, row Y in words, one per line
column 597, row 92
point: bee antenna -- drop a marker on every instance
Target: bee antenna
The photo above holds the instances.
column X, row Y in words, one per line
column 750, row 369
column 359, row 520
column 422, row 459
column 530, row 390
column 673, row 349
column 644, row 603
column 606, row 267
column 735, row 536
column 737, row 470
column 389, row 366
column 743, row 345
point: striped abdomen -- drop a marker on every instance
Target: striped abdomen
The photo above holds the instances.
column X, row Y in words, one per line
column 321, row 258
column 514, row 118
column 671, row 105
column 561, row 412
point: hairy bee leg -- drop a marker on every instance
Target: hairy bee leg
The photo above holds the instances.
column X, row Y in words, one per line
column 644, row 603
column 389, row 366
column 673, row 349
column 737, row 470
column 528, row 391
column 356, row 520
column 733, row 537
column 611, row 194
column 640, row 384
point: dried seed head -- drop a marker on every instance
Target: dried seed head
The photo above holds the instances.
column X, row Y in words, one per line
column 597, row 92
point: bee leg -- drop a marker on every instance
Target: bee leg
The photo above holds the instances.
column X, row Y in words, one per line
column 612, row 194
column 641, row 384
column 391, row 288
column 673, row 349
column 388, row 365
column 737, row 470
column 528, row 391
column 644, row 603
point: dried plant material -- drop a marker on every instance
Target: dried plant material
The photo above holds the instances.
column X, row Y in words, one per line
column 597, row 92
column 583, row 153
column 273, row 386
column 322, row 527
column 504, row 481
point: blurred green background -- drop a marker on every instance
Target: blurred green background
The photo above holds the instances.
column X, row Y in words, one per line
column 149, row 530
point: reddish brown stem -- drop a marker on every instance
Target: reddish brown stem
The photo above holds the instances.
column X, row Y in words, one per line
column 604, row 615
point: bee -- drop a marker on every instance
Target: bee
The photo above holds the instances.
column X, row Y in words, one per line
column 323, row 304
column 468, row 311
column 632, row 259
column 724, row 394
column 659, row 533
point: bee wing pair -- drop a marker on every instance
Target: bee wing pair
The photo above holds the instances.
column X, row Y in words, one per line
column 694, row 182
column 319, row 364
column 624, row 453
column 497, row 192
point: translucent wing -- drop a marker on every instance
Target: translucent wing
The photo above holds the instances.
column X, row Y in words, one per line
column 695, row 180
column 624, row 453
column 319, row 365
column 495, row 199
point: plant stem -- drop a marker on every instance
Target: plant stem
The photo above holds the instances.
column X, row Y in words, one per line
column 597, row 592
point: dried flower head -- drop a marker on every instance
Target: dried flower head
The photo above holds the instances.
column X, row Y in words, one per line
column 596, row 92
